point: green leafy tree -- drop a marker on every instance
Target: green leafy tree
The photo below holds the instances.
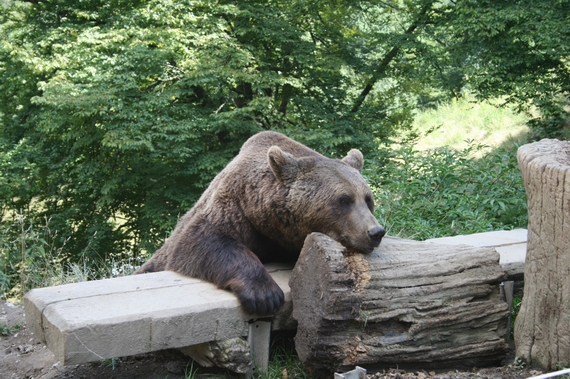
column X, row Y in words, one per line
column 519, row 51
column 115, row 115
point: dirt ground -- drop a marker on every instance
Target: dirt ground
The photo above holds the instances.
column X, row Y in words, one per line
column 23, row 356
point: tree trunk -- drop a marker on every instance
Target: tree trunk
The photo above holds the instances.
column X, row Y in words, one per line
column 542, row 328
column 382, row 67
column 408, row 304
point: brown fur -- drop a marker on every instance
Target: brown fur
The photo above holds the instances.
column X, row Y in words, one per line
column 260, row 208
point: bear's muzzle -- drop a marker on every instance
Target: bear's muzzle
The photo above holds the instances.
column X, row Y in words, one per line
column 375, row 234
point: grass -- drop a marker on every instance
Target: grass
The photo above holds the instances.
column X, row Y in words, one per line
column 191, row 372
column 452, row 125
column 7, row 330
column 283, row 361
column 30, row 258
column 286, row 365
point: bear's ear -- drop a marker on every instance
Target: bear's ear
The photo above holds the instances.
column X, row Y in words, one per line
column 354, row 159
column 284, row 165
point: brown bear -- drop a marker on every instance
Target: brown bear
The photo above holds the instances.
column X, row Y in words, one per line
column 260, row 208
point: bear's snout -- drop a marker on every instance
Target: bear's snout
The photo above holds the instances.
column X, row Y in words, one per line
column 376, row 233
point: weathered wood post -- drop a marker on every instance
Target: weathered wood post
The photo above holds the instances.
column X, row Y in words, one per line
column 408, row 304
column 542, row 328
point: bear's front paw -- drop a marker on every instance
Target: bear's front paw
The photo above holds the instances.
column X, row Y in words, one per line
column 261, row 299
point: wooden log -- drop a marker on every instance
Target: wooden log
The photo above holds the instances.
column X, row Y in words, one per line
column 542, row 328
column 408, row 304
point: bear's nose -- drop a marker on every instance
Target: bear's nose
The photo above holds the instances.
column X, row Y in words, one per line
column 376, row 234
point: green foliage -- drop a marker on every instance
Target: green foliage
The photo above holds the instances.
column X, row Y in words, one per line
column 445, row 192
column 26, row 252
column 484, row 122
column 7, row 330
column 115, row 116
column 190, row 372
column 517, row 50
column 515, row 308
column 283, row 360
column 519, row 363
column 112, row 363
column 31, row 257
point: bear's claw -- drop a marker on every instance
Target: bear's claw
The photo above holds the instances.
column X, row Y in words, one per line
column 262, row 301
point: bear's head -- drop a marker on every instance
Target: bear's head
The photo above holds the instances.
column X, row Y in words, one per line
column 329, row 196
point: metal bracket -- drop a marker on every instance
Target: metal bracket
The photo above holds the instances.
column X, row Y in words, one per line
column 507, row 290
column 357, row 373
column 258, row 339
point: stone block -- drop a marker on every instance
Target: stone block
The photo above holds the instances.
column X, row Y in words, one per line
column 109, row 318
column 510, row 244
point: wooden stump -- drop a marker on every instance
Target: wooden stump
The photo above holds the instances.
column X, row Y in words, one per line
column 408, row 304
column 542, row 328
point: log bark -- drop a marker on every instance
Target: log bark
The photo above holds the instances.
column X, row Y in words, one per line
column 408, row 304
column 542, row 328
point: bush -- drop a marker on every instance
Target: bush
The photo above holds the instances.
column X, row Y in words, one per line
column 446, row 192
column 31, row 257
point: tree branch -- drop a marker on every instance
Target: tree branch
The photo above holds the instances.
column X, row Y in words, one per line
column 286, row 92
column 383, row 66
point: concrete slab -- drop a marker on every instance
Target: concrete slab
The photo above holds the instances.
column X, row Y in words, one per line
column 510, row 244
column 90, row 321
column 512, row 253
column 497, row 238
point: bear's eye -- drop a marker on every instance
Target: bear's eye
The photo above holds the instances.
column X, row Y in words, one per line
column 369, row 202
column 345, row 200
